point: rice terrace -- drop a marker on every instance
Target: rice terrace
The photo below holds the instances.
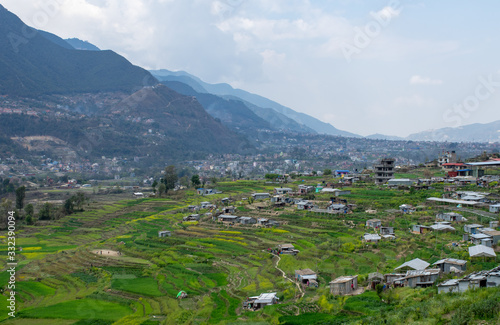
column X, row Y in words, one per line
column 167, row 260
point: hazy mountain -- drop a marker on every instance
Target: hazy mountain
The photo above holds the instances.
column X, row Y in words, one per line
column 37, row 63
column 232, row 113
column 81, row 45
column 259, row 101
column 477, row 132
column 379, row 136
column 55, row 39
column 276, row 120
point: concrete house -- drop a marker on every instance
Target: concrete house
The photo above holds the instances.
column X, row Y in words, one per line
column 304, row 189
column 307, row 277
column 400, row 182
column 228, row 210
column 449, row 216
column 337, row 208
column 473, row 228
column 373, row 223
column 282, row 190
column 449, row 265
column 261, row 196
column 384, row 170
column 248, row 221
column 344, row 285
column 164, row 233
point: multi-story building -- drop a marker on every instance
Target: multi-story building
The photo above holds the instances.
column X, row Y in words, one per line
column 384, row 171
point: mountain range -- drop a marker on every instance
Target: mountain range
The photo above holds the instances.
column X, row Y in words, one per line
column 177, row 114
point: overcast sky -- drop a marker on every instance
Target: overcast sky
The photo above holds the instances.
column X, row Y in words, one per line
column 365, row 66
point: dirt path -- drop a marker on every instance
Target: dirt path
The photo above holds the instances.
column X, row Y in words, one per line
column 287, row 278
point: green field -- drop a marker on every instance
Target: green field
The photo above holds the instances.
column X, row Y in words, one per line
column 61, row 279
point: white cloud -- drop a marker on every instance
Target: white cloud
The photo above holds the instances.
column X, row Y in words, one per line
column 419, row 80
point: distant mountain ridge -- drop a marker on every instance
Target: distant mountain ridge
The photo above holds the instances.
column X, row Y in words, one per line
column 225, row 90
column 477, row 132
column 81, row 45
column 46, row 64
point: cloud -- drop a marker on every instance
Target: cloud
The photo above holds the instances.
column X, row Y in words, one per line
column 419, row 80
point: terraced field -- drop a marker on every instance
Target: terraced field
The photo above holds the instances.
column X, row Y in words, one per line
column 61, row 279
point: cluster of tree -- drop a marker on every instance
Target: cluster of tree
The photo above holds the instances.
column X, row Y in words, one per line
column 6, row 186
column 168, row 181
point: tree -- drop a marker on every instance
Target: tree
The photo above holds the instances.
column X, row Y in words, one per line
column 69, row 206
column 327, row 172
column 20, row 195
column 155, row 183
column 170, row 178
column 195, row 180
column 45, row 212
column 29, row 210
column 79, row 199
column 161, row 189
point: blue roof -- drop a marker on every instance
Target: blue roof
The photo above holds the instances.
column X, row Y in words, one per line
column 464, row 170
column 341, row 171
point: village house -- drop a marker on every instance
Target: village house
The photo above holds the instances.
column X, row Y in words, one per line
column 494, row 234
column 374, row 279
column 305, row 205
column 449, row 216
column 391, row 277
column 473, row 228
column 138, row 195
column 193, row 208
column 373, row 223
column 278, row 199
column 337, row 208
column 495, row 208
column 371, row 238
column 264, row 299
column 260, row 196
column 205, row 191
column 304, row 189
column 287, row 249
column 420, row 278
column 395, row 182
column 344, row 285
column 419, row 229
column 282, row 190
column 164, row 233
column 228, row 210
column 262, row 221
column 248, row 221
column 207, row 205
column 228, row 218
column 442, row 226
column 449, row 265
column 192, row 217
column 449, row 286
column 406, row 208
column 481, row 251
column 306, row 277
column 385, row 231
column 415, row 264
column 481, row 239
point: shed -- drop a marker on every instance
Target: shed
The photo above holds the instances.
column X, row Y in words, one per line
column 495, row 235
column 228, row 218
column 192, row 217
column 495, row 208
column 421, row 278
column 415, row 264
column 400, row 182
column 375, row 278
column 247, row 221
column 372, row 238
column 305, row 276
column 387, row 231
column 264, row 299
column 442, row 227
column 344, row 285
column 449, row 216
column 164, row 233
column 421, row 229
column 482, row 239
column 374, row 223
column 448, row 265
column 481, row 251
column 473, row 228
column 448, row 286
column 305, row 205
column 260, row 196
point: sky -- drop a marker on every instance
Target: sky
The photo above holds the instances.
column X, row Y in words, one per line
column 365, row 66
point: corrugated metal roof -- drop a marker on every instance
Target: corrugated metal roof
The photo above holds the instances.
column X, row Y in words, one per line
column 416, row 264
column 344, row 279
column 481, row 250
column 451, row 261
